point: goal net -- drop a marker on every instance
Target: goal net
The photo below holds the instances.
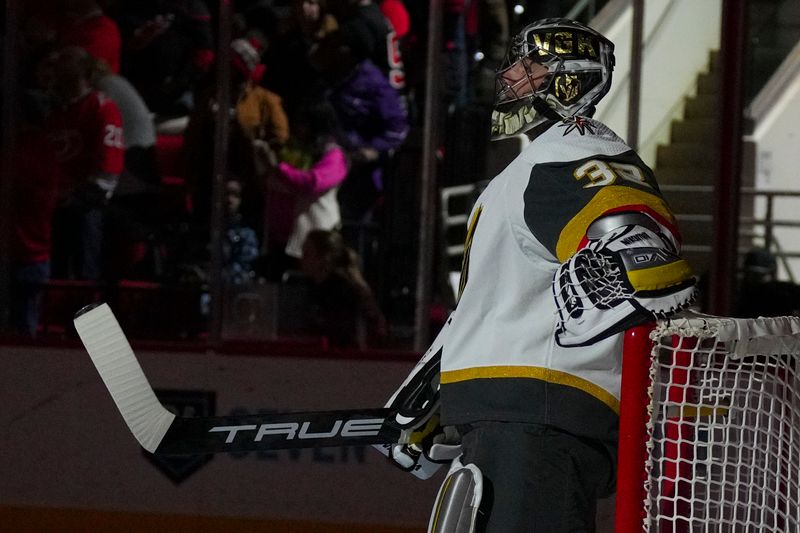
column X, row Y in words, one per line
column 710, row 426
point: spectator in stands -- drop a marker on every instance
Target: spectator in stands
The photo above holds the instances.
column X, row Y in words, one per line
column 289, row 70
column 372, row 117
column 240, row 245
column 34, row 188
column 86, row 130
column 257, row 115
column 399, row 21
column 139, row 132
column 313, row 18
column 260, row 117
column 487, row 29
column 455, row 60
column 307, row 174
column 93, row 31
column 131, row 218
column 168, row 47
column 369, row 35
column 259, row 112
column 344, row 309
column 256, row 19
column 396, row 13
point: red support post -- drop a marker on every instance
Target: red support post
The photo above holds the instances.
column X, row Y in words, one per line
column 633, row 429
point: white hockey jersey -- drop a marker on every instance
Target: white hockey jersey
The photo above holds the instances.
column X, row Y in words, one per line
column 499, row 357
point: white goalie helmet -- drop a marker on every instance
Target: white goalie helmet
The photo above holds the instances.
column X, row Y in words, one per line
column 554, row 69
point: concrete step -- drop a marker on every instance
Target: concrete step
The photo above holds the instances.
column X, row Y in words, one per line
column 691, row 159
column 689, row 203
column 671, row 175
column 702, row 106
column 696, row 130
column 708, row 83
column 686, row 155
column 714, row 61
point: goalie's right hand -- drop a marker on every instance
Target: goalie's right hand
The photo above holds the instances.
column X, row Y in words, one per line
column 430, row 443
column 423, row 444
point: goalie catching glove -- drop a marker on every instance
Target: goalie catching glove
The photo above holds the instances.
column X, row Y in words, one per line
column 630, row 272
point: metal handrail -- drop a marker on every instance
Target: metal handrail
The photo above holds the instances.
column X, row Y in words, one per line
column 748, row 191
column 768, row 222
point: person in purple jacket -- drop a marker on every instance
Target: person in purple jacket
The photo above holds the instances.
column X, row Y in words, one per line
column 372, row 117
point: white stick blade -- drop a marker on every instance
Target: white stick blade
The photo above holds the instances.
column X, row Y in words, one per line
column 114, row 359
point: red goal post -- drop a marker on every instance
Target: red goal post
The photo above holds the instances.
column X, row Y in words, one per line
column 710, row 426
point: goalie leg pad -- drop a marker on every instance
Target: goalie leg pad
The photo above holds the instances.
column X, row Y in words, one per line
column 458, row 499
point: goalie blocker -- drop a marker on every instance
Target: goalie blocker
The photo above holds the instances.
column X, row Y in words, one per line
column 424, row 445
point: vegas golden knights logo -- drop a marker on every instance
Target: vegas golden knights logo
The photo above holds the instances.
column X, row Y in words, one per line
column 568, row 87
column 567, row 43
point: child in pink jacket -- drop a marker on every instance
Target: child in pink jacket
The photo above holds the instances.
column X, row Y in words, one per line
column 306, row 174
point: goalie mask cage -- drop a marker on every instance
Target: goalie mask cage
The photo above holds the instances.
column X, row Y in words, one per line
column 710, row 426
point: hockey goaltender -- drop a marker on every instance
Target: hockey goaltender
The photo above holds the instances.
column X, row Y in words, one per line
column 567, row 247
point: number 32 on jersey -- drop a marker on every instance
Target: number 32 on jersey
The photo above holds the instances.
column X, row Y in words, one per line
column 602, row 173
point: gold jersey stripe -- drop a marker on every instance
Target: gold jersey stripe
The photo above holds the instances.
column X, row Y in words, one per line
column 660, row 277
column 607, row 198
column 532, row 372
column 462, row 282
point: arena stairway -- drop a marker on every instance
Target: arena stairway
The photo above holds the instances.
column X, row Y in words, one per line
column 691, row 158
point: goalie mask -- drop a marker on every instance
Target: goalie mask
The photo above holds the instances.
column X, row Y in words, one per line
column 554, row 69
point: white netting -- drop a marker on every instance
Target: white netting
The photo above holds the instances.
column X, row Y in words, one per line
column 724, row 447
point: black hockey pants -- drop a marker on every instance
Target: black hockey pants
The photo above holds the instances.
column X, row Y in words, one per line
column 537, row 479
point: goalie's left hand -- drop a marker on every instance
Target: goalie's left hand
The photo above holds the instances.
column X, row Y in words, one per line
column 610, row 285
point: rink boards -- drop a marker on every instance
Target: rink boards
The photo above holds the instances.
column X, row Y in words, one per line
column 68, row 461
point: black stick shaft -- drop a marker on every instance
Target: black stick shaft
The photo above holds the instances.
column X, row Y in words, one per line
column 278, row 431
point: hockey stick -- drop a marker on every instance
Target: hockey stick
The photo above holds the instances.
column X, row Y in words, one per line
column 160, row 431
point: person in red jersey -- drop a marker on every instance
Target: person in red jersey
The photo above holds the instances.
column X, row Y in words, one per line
column 86, row 132
column 88, row 27
column 34, row 178
column 397, row 15
column 371, row 36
